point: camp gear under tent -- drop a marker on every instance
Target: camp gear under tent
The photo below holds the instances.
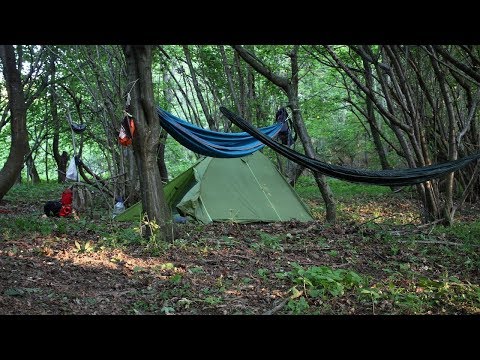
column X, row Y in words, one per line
column 245, row 189
column 397, row 177
column 214, row 143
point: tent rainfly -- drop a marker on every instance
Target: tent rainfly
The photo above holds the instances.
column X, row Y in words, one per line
column 243, row 190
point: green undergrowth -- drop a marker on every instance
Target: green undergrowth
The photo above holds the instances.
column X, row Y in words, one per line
column 364, row 264
column 35, row 193
column 315, row 288
column 307, row 188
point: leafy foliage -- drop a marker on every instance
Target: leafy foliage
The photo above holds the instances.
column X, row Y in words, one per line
column 324, row 282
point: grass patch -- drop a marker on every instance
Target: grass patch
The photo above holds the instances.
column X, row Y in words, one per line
column 307, row 188
column 35, row 193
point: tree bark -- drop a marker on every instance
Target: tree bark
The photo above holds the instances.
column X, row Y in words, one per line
column 211, row 122
column 147, row 139
column 60, row 159
column 372, row 120
column 18, row 109
column 32, row 172
column 452, row 144
column 241, row 86
column 228, row 73
column 168, row 95
column 161, row 157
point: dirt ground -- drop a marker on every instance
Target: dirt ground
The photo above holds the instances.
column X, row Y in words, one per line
column 218, row 269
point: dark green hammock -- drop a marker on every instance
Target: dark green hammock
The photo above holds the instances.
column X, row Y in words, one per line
column 398, row 177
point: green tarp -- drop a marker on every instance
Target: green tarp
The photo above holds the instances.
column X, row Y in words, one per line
column 246, row 189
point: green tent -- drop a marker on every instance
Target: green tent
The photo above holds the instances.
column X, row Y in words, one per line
column 246, row 189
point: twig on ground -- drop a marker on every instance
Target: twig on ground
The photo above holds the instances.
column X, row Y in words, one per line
column 368, row 221
column 380, row 256
column 430, row 242
column 340, row 265
column 277, row 307
column 430, row 223
column 240, row 257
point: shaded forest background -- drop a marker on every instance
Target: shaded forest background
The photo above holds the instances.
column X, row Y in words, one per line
column 365, row 106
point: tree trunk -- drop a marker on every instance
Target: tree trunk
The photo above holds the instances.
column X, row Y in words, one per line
column 60, row 159
column 45, row 159
column 168, row 94
column 372, row 120
column 211, row 122
column 32, row 172
column 394, row 108
column 147, row 139
column 320, row 179
column 133, row 185
column 241, row 87
column 290, row 87
column 228, row 72
column 250, row 96
column 19, row 135
column 161, row 157
column 452, row 144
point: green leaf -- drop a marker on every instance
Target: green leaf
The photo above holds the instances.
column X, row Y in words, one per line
column 176, row 278
column 14, row 292
column 281, row 275
column 373, row 293
column 316, row 293
column 167, row 310
column 454, row 279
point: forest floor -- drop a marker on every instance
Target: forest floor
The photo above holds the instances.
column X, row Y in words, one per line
column 377, row 259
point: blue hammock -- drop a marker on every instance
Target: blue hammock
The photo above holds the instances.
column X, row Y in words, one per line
column 213, row 143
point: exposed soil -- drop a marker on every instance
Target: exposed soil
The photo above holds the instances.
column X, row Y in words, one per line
column 222, row 268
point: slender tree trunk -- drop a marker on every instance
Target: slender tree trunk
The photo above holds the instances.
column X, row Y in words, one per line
column 161, row 157
column 46, row 159
column 211, row 122
column 292, row 93
column 168, row 95
column 228, row 72
column 19, row 135
column 147, row 139
column 372, row 120
column 133, row 185
column 241, row 86
column 452, row 144
column 60, row 159
column 32, row 172
column 191, row 112
column 250, row 96
column 290, row 87
column 394, row 108
column 326, row 192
